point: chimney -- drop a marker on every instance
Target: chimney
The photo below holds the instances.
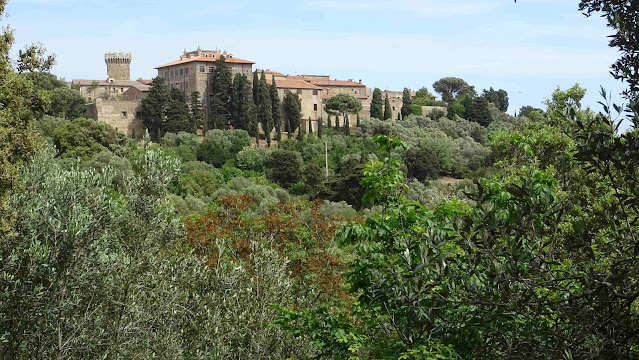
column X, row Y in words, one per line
column 360, row 81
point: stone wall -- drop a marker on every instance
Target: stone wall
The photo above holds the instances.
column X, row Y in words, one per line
column 123, row 115
column 118, row 65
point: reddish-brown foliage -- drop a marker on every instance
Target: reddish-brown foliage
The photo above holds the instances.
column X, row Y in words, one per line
column 296, row 229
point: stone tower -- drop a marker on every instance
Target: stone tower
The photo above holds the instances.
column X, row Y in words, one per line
column 118, row 65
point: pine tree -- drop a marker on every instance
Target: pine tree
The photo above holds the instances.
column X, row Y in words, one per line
column 154, row 106
column 276, row 109
column 376, row 105
column 265, row 109
column 219, row 103
column 320, row 128
column 407, row 101
column 310, row 125
column 177, row 113
column 197, row 115
column 388, row 112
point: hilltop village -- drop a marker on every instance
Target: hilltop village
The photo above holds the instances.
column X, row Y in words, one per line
column 117, row 99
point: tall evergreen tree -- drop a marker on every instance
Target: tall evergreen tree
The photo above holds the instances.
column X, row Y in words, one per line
column 292, row 109
column 256, row 87
column 347, row 126
column 219, row 102
column 357, row 115
column 310, row 125
column 153, row 107
column 235, row 100
column 388, row 112
column 337, row 126
column 197, row 115
column 241, row 101
column 177, row 113
column 320, row 128
column 377, row 112
column 265, row 108
column 407, row 101
column 329, row 123
column 276, row 109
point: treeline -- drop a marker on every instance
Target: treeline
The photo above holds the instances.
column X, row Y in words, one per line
column 234, row 102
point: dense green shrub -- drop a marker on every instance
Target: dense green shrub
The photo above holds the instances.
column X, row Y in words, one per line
column 285, row 167
column 82, row 138
column 422, row 164
column 219, row 146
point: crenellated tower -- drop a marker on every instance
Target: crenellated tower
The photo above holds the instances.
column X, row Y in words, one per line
column 118, row 65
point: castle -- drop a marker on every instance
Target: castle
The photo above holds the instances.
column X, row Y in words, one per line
column 117, row 99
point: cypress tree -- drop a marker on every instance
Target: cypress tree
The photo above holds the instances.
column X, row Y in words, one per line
column 310, row 125
column 292, row 106
column 300, row 134
column 357, row 119
column 276, row 109
column 347, row 126
column 265, row 109
column 154, row 106
column 256, row 87
column 219, row 103
column 328, row 122
column 320, row 128
column 197, row 115
column 241, row 103
column 337, row 127
column 235, row 101
column 407, row 101
column 376, row 105
column 388, row 112
column 399, row 116
column 177, row 113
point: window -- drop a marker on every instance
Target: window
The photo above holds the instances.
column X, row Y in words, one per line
column 123, row 114
column 201, row 68
column 177, row 85
column 299, row 91
column 181, row 72
column 186, row 86
column 166, row 74
column 315, row 92
column 186, row 71
column 171, row 73
column 393, row 108
column 211, row 69
column 203, row 85
column 138, row 114
column 314, row 107
column 121, row 90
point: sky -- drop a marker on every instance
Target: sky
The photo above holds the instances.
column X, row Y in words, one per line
column 527, row 48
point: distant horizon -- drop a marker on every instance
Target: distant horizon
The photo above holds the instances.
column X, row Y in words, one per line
column 528, row 48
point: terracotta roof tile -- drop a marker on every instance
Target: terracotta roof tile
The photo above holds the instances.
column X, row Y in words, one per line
column 343, row 83
column 293, row 84
column 212, row 58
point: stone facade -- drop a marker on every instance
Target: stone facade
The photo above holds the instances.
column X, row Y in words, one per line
column 310, row 95
column 136, row 92
column 118, row 65
column 193, row 71
column 123, row 115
